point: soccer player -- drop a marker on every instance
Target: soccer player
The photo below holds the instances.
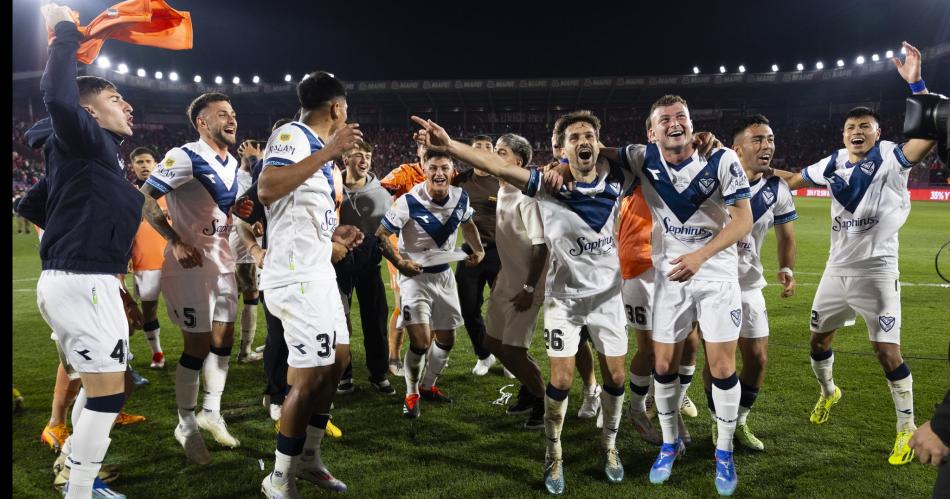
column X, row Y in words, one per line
column 244, row 266
column 298, row 280
column 869, row 204
column 482, row 190
column 91, row 219
column 582, row 290
column 772, row 205
column 197, row 281
column 700, row 210
column 427, row 219
column 148, row 252
column 516, row 298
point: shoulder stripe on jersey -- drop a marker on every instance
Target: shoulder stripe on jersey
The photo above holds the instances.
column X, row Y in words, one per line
column 438, row 231
column 222, row 195
column 682, row 204
column 899, row 153
column 158, row 184
column 849, row 194
column 785, row 218
column 315, row 145
column 742, row 193
column 278, row 162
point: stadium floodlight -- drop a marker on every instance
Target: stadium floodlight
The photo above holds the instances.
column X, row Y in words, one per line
column 741, row 68
column 173, row 76
column 236, row 80
column 840, row 63
column 140, row 73
column 123, row 69
column 695, row 70
column 859, row 60
column 256, row 79
column 889, row 54
column 197, row 79
column 875, row 57
column 800, row 66
column 775, row 67
column 819, row 65
column 218, row 79
column 903, row 51
column 722, row 69
column 159, row 75
column 288, row 78
column 103, row 62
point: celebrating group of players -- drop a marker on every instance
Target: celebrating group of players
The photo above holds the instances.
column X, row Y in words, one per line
column 665, row 237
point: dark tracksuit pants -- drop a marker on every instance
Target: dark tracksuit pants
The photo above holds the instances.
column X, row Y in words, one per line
column 471, row 283
column 275, row 358
column 374, row 318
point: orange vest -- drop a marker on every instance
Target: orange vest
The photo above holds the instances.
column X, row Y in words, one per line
column 148, row 248
column 636, row 224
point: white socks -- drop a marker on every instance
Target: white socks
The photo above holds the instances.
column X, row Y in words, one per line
column 821, row 364
column 639, row 389
column 725, row 394
column 413, row 369
column 248, row 326
column 438, row 355
column 612, row 406
column 186, row 390
column 666, row 394
column 215, row 372
column 901, row 384
column 554, row 420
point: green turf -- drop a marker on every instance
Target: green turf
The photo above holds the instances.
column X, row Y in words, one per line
column 471, row 449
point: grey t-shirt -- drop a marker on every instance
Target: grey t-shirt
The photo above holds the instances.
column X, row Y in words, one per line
column 365, row 206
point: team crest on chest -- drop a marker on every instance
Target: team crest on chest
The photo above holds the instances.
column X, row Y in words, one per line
column 887, row 322
column 707, row 185
column 768, row 197
column 868, row 167
column 736, row 316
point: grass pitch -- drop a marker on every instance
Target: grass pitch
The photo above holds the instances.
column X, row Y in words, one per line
column 472, row 449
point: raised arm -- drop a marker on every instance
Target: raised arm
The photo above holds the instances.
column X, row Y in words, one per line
column 914, row 149
column 435, row 137
column 738, row 227
column 794, row 180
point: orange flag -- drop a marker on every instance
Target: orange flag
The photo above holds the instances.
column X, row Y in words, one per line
column 140, row 22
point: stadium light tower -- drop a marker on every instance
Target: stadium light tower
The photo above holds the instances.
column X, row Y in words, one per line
column 722, row 69
column 800, row 66
column 218, row 79
column 819, row 65
column 695, row 70
column 197, row 79
column 159, row 75
column 889, row 54
column 123, row 69
column 103, row 62
column 173, row 76
column 840, row 63
column 288, row 78
column 741, row 68
column 256, row 79
column 775, row 68
column 859, row 60
column 236, row 80
column 875, row 57
column 140, row 73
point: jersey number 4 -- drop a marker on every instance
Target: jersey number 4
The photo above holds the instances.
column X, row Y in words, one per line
column 118, row 353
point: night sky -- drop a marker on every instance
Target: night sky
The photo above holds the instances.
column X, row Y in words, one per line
column 365, row 40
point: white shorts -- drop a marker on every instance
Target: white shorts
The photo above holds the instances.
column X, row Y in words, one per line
column 196, row 300
column 716, row 305
column 601, row 314
column 313, row 319
column 88, row 317
column 429, row 299
column 755, row 319
column 64, row 360
column 508, row 325
column 638, row 300
column 148, row 284
column 877, row 299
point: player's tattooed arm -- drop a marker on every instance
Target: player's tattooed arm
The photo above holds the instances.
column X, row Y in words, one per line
column 686, row 266
column 539, row 256
column 407, row 267
column 187, row 255
column 787, row 248
column 435, row 137
column 470, row 233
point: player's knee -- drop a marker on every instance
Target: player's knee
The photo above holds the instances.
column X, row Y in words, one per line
column 820, row 343
column 888, row 355
column 663, row 366
column 561, row 381
column 615, row 379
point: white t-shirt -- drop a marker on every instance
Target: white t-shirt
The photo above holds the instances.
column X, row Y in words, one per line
column 241, row 254
column 689, row 203
column 300, row 224
column 771, row 205
column 200, row 189
column 579, row 232
column 869, row 204
column 427, row 227
column 518, row 228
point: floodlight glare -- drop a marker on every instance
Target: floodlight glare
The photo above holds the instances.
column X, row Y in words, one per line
column 775, row 67
column 236, row 80
column 840, row 63
column 140, row 73
column 256, row 79
column 875, row 58
column 859, row 60
column 800, row 66
column 287, row 78
column 173, row 76
column 819, row 65
column 741, row 68
column 197, row 78
column 695, row 70
column 159, row 75
column 889, row 54
column 123, row 69
column 218, row 80
column 103, row 62
column 722, row 69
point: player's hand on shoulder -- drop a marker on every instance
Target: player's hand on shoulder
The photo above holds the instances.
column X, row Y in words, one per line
column 558, row 175
column 408, row 268
column 187, row 255
column 706, row 143
column 343, row 139
column 788, row 284
column 55, row 14
column 686, row 267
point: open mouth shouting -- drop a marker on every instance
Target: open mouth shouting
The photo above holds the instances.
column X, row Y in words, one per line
column 585, row 153
column 676, row 133
column 764, row 158
column 858, row 141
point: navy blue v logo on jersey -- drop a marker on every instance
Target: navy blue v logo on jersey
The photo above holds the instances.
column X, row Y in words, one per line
column 683, row 204
column 765, row 198
column 438, row 231
column 850, row 193
column 223, row 195
column 887, row 322
column 736, row 316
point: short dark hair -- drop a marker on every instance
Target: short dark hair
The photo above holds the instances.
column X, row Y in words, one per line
column 481, row 138
column 431, row 154
column 319, row 88
column 138, row 151
column 746, row 122
column 518, row 145
column 581, row 116
column 861, row 112
column 361, row 145
column 90, row 86
column 201, row 102
column 668, row 100
column 279, row 123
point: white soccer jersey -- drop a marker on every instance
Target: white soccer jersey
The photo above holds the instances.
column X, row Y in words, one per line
column 200, row 189
column 241, row 254
column 300, row 224
column 427, row 227
column 689, row 203
column 517, row 228
column 579, row 232
column 869, row 205
column 772, row 204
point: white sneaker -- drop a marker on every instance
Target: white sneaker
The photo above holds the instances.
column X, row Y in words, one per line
column 249, row 357
column 194, row 445
column 272, row 490
column 275, row 412
column 509, row 374
column 320, row 476
column 218, row 429
column 483, row 365
column 591, row 404
column 643, row 426
column 688, row 408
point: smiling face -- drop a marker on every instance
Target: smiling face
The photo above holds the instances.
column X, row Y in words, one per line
column 142, row 165
column 357, row 163
column 672, row 128
column 860, row 134
column 581, row 146
column 439, row 172
column 111, row 111
column 218, row 122
column 755, row 147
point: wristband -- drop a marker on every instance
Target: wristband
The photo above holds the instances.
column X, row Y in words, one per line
column 786, row 270
column 920, row 86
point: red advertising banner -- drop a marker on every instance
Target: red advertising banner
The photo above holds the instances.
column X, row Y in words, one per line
column 934, row 194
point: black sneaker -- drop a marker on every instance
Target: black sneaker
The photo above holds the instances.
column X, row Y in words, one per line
column 536, row 418
column 383, row 387
column 434, row 395
column 524, row 403
column 346, row 386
